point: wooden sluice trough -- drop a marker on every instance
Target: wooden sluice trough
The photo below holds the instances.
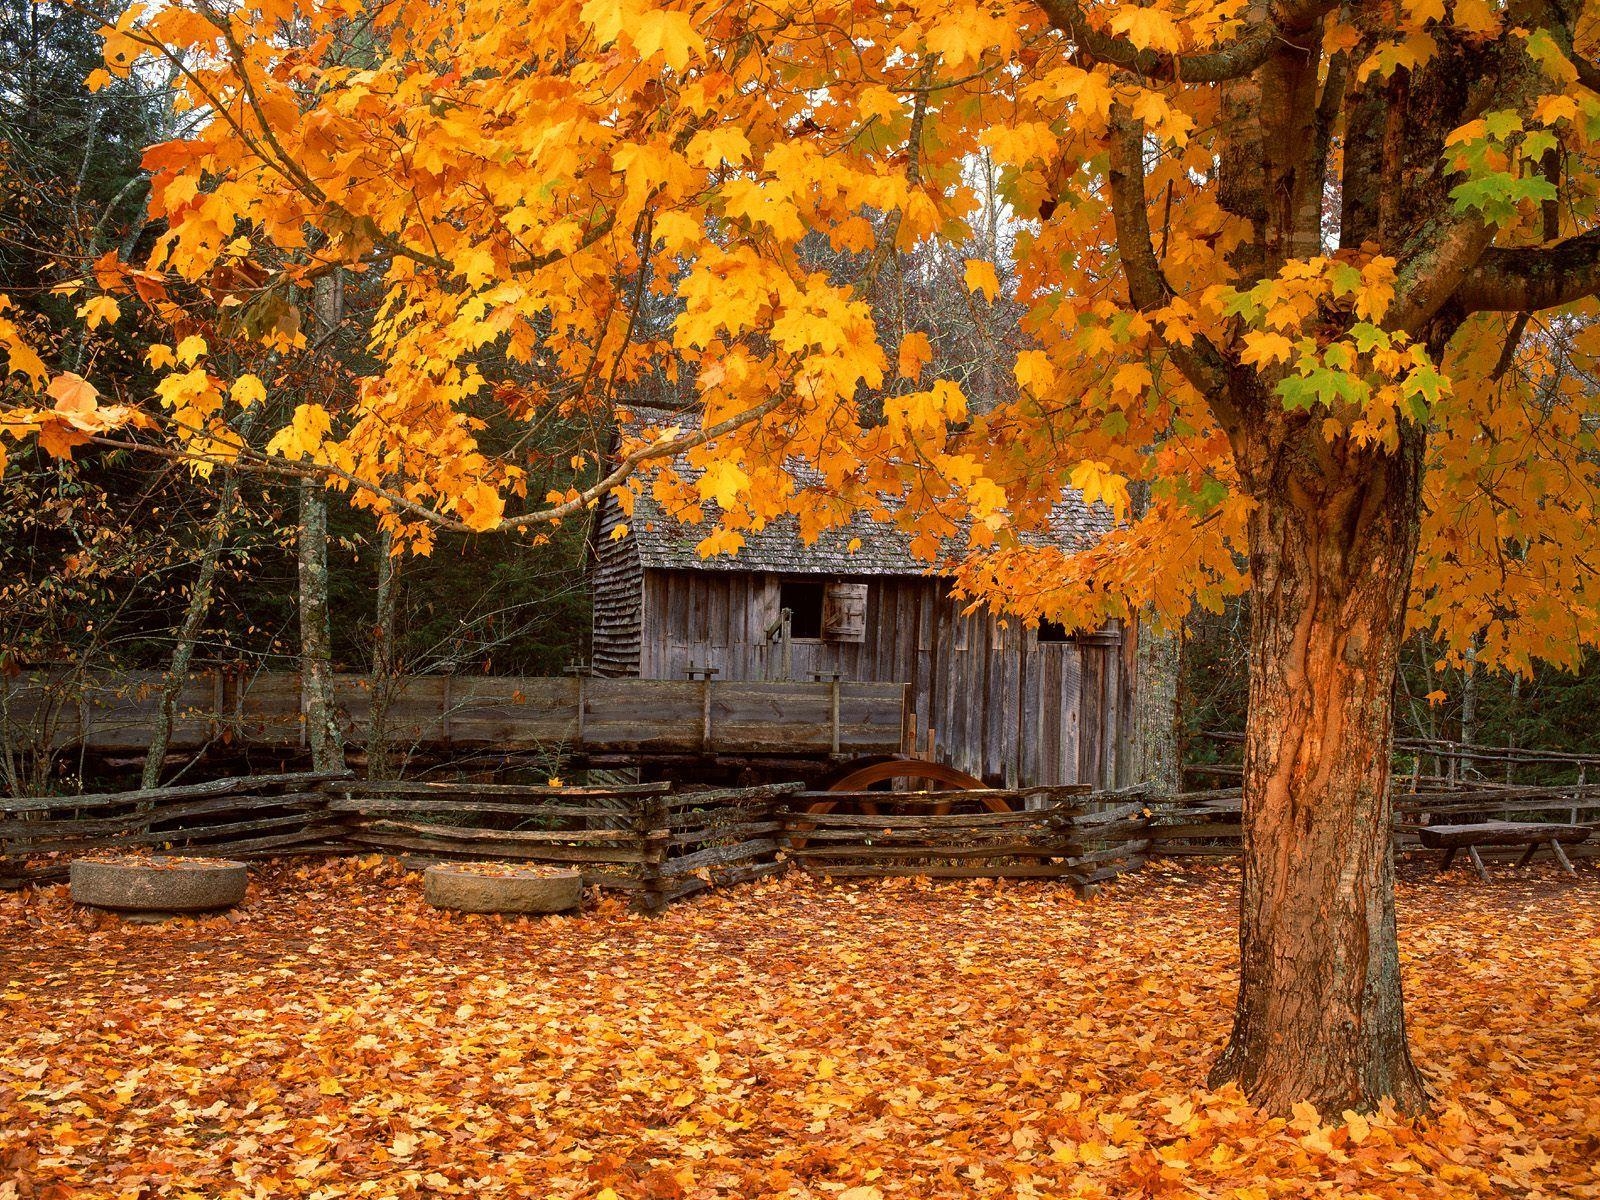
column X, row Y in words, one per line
column 585, row 719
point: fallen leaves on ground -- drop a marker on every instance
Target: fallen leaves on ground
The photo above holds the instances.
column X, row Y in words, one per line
column 335, row 1036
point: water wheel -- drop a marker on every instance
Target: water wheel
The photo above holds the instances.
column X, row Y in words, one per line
column 852, row 786
column 887, row 770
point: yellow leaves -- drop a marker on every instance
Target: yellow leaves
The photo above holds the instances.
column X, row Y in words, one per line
column 957, row 42
column 919, row 414
column 713, row 147
column 476, row 265
column 1420, row 12
column 1100, row 484
column 1408, row 53
column 763, row 204
column 1377, row 288
column 720, row 541
column 1481, row 17
column 1263, row 348
column 190, row 350
column 1359, row 1128
column 73, row 394
column 916, row 352
column 668, row 33
column 20, row 357
column 304, row 435
column 1147, row 28
column 99, row 310
column 723, row 481
column 608, row 18
column 980, row 277
column 1131, row 379
column 190, row 396
column 248, row 390
column 480, row 506
column 1034, row 372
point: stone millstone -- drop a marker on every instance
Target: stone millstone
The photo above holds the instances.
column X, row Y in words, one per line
column 452, row 887
column 171, row 885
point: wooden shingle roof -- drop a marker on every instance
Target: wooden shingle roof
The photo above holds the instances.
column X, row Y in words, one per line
column 884, row 550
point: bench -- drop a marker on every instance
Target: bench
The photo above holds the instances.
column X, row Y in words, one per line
column 1532, row 834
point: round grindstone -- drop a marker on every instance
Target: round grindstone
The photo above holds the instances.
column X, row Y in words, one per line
column 506, row 890
column 159, row 885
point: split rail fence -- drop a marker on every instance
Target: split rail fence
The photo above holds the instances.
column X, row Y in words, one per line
column 643, row 839
column 1209, row 823
column 657, row 844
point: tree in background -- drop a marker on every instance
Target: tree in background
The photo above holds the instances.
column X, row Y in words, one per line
column 1297, row 266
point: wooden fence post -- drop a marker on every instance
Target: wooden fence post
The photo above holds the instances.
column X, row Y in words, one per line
column 655, row 836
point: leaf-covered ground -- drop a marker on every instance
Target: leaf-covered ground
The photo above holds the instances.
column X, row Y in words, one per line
column 337, row 1037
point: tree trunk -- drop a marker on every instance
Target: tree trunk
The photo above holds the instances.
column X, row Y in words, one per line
column 194, row 615
column 1155, row 714
column 385, row 663
column 316, row 636
column 1319, row 1014
column 1469, row 708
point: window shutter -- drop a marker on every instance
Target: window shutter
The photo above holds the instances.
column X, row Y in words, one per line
column 844, row 612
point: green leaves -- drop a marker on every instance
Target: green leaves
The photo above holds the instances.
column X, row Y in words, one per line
column 1496, row 195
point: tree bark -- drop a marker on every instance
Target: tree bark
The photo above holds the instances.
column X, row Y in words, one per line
column 316, row 636
column 1319, row 1013
column 385, row 663
column 1155, row 713
column 194, row 615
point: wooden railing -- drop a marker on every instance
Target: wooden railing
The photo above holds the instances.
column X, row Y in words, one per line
column 574, row 714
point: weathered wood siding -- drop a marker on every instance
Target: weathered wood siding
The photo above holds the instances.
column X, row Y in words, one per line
column 618, row 597
column 993, row 699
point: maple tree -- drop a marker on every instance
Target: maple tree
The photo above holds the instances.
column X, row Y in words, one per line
column 337, row 1036
column 1318, row 274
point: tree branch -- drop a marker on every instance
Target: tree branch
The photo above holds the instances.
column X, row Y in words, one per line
column 258, row 462
column 1244, row 54
column 1148, row 288
column 1534, row 278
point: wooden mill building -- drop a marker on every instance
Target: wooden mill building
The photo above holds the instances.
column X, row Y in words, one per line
column 1015, row 704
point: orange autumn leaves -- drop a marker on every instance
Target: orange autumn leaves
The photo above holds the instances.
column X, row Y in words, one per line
column 562, row 205
column 338, row 1037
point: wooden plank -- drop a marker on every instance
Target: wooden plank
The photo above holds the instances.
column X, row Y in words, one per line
column 395, row 787
column 215, row 787
column 1500, row 833
column 1010, row 871
column 718, row 856
column 1028, row 849
column 562, row 854
column 537, row 808
column 476, row 833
